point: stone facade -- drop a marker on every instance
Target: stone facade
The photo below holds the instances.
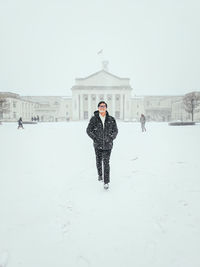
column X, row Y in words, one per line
column 102, row 85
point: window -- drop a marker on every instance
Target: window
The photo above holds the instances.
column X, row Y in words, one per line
column 14, row 104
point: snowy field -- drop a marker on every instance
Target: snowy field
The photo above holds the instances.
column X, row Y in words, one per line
column 54, row 212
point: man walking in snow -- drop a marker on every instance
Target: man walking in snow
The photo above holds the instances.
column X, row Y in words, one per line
column 102, row 128
column 143, row 121
column 20, row 123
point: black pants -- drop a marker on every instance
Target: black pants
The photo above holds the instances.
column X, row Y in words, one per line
column 103, row 156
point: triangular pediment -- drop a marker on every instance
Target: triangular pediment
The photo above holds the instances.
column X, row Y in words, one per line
column 102, row 78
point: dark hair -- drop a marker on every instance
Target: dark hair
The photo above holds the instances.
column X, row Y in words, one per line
column 102, row 102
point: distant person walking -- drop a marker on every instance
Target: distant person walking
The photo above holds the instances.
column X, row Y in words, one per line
column 20, row 123
column 143, row 121
column 102, row 128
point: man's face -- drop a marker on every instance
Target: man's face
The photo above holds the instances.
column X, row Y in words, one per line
column 102, row 108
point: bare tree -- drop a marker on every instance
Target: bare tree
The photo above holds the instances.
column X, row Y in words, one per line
column 191, row 101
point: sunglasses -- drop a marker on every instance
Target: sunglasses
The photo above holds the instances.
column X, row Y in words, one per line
column 102, row 106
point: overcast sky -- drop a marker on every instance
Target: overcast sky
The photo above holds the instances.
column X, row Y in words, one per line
column 46, row 44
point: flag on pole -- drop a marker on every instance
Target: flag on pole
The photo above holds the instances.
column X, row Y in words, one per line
column 100, row 52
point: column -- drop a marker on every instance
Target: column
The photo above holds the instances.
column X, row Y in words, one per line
column 74, row 106
column 81, row 106
column 121, row 107
column 128, row 104
column 105, row 98
column 113, row 104
column 96, row 97
column 89, row 105
column 125, row 107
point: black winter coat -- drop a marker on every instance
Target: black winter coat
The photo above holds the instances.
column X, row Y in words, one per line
column 102, row 137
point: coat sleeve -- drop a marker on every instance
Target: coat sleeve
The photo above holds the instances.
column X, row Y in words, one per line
column 114, row 130
column 90, row 128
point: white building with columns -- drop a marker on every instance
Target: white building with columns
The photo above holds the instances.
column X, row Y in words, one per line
column 87, row 93
column 102, row 85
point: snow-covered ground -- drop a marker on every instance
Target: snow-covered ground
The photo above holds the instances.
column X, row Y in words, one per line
column 54, row 212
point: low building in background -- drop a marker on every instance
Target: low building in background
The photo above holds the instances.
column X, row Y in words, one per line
column 86, row 93
column 52, row 108
column 12, row 106
column 159, row 108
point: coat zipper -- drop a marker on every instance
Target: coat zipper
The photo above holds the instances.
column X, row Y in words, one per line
column 103, row 129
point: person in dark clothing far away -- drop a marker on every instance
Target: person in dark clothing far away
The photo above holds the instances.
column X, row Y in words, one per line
column 102, row 128
column 20, row 123
column 143, row 121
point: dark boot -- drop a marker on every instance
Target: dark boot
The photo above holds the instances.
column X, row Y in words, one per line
column 100, row 178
